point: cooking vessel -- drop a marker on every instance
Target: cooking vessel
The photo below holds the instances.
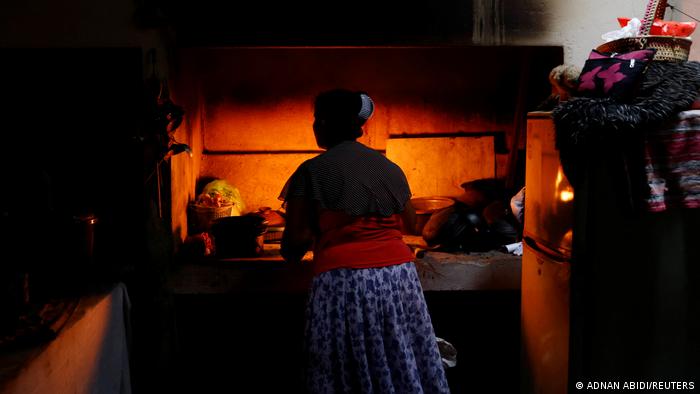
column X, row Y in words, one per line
column 426, row 206
column 239, row 236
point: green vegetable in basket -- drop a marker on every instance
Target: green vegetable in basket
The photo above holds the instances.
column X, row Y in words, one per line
column 223, row 191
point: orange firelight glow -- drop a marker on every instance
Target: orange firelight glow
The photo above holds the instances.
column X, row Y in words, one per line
column 564, row 191
column 566, row 195
column 250, row 114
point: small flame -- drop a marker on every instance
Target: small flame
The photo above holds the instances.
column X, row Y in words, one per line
column 566, row 195
column 560, row 177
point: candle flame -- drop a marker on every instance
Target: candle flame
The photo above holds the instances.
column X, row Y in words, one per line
column 566, row 195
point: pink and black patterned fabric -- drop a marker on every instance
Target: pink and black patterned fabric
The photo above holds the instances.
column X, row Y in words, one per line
column 616, row 75
column 672, row 155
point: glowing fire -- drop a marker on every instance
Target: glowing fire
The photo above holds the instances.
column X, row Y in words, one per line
column 564, row 191
column 566, row 195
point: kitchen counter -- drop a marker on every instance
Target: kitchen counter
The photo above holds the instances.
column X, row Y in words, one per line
column 438, row 271
column 251, row 313
column 267, row 273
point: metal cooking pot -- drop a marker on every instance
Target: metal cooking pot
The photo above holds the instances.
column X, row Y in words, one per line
column 239, row 236
column 426, row 206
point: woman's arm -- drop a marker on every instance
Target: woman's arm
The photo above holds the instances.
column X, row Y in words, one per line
column 298, row 231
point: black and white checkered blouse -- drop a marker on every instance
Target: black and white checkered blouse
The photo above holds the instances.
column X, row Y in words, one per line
column 353, row 178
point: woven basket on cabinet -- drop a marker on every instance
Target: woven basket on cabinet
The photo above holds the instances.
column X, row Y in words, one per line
column 670, row 49
column 200, row 218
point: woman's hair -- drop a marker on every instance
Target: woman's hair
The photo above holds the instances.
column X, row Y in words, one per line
column 344, row 112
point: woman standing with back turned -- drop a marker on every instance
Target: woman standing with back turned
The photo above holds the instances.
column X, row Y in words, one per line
column 368, row 328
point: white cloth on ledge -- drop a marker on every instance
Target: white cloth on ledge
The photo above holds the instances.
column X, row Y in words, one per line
column 89, row 355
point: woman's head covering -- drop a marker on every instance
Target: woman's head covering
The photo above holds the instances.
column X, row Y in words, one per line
column 340, row 115
column 342, row 103
column 367, row 108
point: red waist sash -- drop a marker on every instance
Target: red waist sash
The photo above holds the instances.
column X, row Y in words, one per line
column 359, row 242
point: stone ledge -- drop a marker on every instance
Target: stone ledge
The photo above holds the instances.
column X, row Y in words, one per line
column 438, row 271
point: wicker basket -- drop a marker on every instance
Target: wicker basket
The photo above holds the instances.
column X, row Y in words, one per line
column 669, row 49
column 200, row 218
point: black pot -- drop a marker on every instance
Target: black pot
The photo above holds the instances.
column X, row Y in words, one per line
column 239, row 236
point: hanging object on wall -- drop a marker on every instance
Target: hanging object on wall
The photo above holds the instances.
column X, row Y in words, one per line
column 164, row 118
column 168, row 117
column 164, row 115
column 168, row 114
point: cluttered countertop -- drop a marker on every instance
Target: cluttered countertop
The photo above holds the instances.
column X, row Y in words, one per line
column 438, row 271
column 459, row 247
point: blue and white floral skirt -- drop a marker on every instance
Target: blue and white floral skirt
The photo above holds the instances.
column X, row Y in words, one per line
column 368, row 331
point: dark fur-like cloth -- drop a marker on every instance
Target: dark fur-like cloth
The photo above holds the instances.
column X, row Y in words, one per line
column 667, row 89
